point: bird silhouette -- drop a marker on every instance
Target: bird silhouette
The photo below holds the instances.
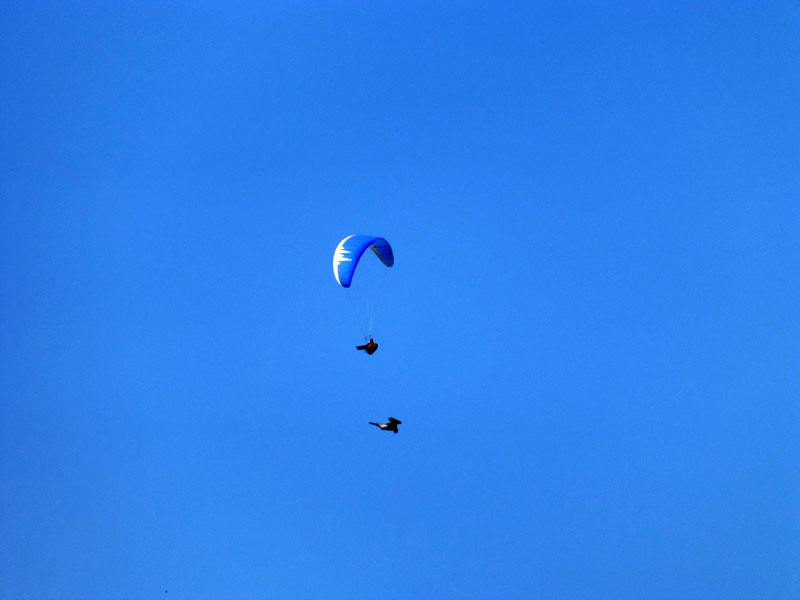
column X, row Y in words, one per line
column 390, row 426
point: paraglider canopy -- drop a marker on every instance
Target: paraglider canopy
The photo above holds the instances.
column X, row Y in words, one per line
column 349, row 252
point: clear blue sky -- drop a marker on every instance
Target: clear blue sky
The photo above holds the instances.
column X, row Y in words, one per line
column 591, row 332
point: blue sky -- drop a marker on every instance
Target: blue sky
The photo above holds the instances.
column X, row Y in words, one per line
column 590, row 331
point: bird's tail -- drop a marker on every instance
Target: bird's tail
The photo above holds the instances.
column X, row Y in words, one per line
column 376, row 425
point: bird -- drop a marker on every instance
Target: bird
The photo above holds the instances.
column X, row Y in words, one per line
column 390, row 426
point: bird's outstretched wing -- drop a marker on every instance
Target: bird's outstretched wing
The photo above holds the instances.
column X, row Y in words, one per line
column 393, row 420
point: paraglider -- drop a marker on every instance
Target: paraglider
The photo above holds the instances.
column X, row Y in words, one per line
column 369, row 347
column 390, row 426
column 346, row 258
